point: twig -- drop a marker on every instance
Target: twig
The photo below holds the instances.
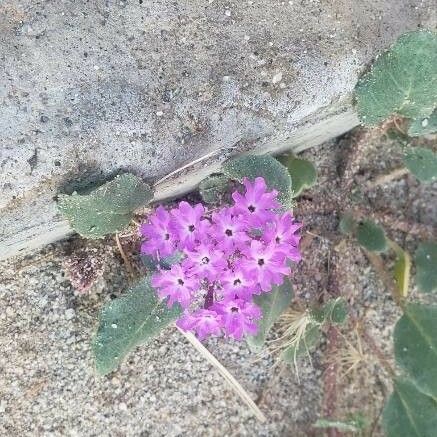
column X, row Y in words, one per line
column 233, row 383
column 271, row 383
column 359, row 145
column 386, row 178
column 409, row 227
column 378, row 353
column 125, row 258
column 184, row 167
column 330, row 383
column 381, row 409
column 386, row 278
column 331, row 374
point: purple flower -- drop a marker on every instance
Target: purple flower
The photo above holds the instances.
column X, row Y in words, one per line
column 176, row 285
column 237, row 285
column 238, row 317
column 159, row 237
column 228, row 230
column 202, row 322
column 188, row 224
column 228, row 257
column 256, row 204
column 205, row 261
column 283, row 233
column 265, row 264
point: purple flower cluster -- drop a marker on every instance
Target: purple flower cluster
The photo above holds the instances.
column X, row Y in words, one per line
column 227, row 256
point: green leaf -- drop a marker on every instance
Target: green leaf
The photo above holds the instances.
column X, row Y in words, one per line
column 401, row 269
column 334, row 311
column 213, row 188
column 272, row 304
column 107, row 209
column 347, row 224
column 415, row 342
column 354, row 423
column 309, row 340
column 402, row 81
column 128, row 321
column 409, row 412
column 426, row 267
column 371, row 236
column 303, row 173
column 422, row 163
column 423, row 126
column 273, row 172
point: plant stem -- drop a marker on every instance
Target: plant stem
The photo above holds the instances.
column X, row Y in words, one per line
column 233, row 383
column 125, row 258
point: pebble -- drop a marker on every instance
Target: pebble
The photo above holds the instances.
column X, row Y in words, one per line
column 69, row 313
column 277, row 78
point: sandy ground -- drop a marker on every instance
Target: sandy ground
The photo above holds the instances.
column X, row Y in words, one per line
column 49, row 387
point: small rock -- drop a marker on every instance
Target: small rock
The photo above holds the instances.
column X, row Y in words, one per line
column 69, row 313
column 10, row 312
column 277, row 78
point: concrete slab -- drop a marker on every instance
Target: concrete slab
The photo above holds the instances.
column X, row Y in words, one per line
column 89, row 89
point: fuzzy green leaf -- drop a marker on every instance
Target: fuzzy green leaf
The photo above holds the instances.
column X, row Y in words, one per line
column 107, row 209
column 415, row 340
column 128, row 321
column 272, row 304
column 273, row 172
column 347, row 224
column 423, row 126
column 371, row 236
column 426, row 267
column 422, row 163
column 213, row 188
column 334, row 311
column 303, row 173
column 309, row 341
column 402, row 81
column 409, row 412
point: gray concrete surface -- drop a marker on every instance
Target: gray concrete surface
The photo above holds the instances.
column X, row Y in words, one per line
column 92, row 88
column 48, row 385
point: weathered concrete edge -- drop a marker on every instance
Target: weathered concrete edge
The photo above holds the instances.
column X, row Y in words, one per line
column 308, row 134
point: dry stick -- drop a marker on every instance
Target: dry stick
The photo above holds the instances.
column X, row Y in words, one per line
column 360, row 144
column 330, row 381
column 386, row 178
column 423, row 231
column 125, row 258
column 387, row 279
column 408, row 227
column 330, row 386
column 271, row 383
column 233, row 383
column 184, row 167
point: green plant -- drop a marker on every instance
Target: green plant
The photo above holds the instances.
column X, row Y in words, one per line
column 402, row 82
